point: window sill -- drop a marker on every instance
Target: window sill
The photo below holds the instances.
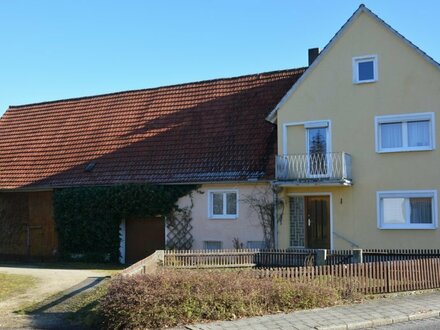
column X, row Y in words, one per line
column 409, row 227
column 223, row 217
column 385, row 151
column 360, row 82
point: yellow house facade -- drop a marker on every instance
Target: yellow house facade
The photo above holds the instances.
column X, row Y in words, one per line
column 358, row 163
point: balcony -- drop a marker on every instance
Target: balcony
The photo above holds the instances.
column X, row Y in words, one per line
column 332, row 168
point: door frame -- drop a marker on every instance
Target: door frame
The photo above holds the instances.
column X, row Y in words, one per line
column 305, row 124
column 330, row 195
column 122, row 237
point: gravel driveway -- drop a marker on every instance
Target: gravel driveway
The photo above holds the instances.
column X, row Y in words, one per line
column 50, row 282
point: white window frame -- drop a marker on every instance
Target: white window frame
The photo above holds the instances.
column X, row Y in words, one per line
column 404, row 119
column 308, row 124
column 407, row 194
column 360, row 59
column 211, row 214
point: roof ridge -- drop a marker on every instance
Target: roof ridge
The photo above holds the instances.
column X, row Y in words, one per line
column 361, row 9
column 293, row 70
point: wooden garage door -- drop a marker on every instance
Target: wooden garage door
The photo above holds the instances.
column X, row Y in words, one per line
column 143, row 237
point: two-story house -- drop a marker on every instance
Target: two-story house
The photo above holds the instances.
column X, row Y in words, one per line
column 357, row 162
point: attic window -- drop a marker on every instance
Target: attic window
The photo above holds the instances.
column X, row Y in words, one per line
column 89, row 167
column 365, row 69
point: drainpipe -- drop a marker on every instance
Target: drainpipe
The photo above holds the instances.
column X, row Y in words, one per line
column 275, row 225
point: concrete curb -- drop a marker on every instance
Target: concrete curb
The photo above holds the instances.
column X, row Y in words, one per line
column 380, row 321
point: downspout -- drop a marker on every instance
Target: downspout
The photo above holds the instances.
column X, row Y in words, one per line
column 275, row 225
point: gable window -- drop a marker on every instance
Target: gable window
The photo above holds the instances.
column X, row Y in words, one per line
column 407, row 209
column 223, row 204
column 411, row 132
column 365, row 69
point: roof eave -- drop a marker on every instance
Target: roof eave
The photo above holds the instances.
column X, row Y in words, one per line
column 67, row 186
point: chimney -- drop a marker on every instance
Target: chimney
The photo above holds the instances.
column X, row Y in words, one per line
column 313, row 54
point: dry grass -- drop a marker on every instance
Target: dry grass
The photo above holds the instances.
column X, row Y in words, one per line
column 12, row 285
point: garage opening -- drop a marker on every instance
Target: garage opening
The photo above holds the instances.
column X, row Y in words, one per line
column 143, row 237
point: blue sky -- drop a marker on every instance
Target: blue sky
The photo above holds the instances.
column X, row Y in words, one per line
column 62, row 49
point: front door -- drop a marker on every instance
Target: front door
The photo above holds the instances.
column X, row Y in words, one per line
column 317, row 216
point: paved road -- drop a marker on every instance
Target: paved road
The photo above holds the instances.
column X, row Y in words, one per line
column 427, row 324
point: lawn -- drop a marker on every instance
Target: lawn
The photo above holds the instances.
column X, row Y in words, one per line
column 13, row 285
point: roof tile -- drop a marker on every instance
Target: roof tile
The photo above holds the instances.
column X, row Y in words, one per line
column 197, row 132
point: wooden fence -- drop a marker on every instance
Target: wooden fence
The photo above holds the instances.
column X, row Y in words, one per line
column 209, row 258
column 286, row 258
column 375, row 255
column 420, row 270
column 377, row 277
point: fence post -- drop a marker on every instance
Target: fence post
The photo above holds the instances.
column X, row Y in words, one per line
column 387, row 265
column 321, row 256
column 358, row 257
column 160, row 256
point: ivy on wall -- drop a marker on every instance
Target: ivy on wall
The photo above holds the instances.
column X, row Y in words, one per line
column 88, row 218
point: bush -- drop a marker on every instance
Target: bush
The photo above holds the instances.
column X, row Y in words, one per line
column 181, row 297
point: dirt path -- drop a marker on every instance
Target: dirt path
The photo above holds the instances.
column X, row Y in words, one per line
column 50, row 282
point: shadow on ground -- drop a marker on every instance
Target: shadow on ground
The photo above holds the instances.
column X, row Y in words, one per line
column 60, row 311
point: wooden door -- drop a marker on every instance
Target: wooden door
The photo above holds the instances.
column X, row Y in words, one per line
column 317, row 216
column 143, row 237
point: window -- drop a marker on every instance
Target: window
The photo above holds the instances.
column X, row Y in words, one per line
column 223, row 204
column 212, row 245
column 407, row 209
column 410, row 132
column 317, row 162
column 365, row 69
column 255, row 245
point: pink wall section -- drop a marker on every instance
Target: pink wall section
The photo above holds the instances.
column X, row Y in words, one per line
column 246, row 227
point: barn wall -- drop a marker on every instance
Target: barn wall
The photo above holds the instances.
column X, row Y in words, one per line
column 27, row 228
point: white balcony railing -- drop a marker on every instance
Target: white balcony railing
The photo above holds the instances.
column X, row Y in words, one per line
column 331, row 167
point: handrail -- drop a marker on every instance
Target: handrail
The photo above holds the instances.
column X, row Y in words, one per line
column 353, row 244
column 330, row 166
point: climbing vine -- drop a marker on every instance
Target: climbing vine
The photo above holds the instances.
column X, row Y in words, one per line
column 268, row 209
column 88, row 218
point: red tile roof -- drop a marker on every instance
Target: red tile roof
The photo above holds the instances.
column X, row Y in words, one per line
column 197, row 132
